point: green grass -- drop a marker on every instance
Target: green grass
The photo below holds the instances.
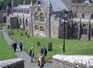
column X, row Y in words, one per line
column 5, row 51
column 73, row 47
column 2, row 24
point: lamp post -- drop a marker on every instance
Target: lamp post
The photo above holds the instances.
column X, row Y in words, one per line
column 64, row 17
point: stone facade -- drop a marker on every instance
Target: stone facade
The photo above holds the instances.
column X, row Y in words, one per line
column 83, row 13
column 43, row 19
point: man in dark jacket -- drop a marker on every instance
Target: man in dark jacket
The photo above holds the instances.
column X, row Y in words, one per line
column 31, row 53
column 14, row 46
column 44, row 51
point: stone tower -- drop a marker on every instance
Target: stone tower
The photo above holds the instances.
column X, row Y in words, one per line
column 48, row 21
column 13, row 4
column 8, row 9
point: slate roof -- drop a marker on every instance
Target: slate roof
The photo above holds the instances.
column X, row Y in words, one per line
column 57, row 5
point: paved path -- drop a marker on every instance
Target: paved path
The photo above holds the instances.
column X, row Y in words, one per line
column 25, row 56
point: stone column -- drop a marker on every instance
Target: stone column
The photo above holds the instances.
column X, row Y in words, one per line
column 88, row 31
column 79, row 25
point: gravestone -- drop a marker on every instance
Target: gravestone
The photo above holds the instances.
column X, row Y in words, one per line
column 21, row 34
column 28, row 36
column 26, row 33
column 38, row 43
column 50, row 46
column 10, row 33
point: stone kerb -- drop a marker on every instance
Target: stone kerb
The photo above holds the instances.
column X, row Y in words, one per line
column 12, row 63
column 68, row 61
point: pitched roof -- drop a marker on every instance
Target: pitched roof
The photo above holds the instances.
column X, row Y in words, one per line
column 57, row 5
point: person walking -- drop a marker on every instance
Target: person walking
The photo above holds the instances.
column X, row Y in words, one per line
column 44, row 51
column 21, row 46
column 14, row 46
column 41, row 60
column 31, row 53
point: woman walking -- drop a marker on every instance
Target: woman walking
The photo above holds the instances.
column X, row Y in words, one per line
column 41, row 60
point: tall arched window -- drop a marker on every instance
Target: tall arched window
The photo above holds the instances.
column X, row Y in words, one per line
column 26, row 22
column 20, row 21
column 84, row 29
column 36, row 18
column 42, row 28
column 36, row 27
column 42, row 18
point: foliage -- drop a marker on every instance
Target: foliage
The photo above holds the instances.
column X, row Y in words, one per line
column 73, row 47
column 4, row 3
column 5, row 51
column 2, row 24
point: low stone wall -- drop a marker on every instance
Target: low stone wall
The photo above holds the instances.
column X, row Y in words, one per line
column 13, row 63
column 66, row 61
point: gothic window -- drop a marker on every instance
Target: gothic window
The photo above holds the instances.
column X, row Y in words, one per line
column 84, row 31
column 91, row 16
column 39, row 3
column 42, row 28
column 75, row 15
column 92, row 31
column 13, row 10
column 27, row 11
column 42, row 18
column 82, row 15
column 39, row 9
column 20, row 21
column 36, row 18
column 26, row 22
column 36, row 27
column 75, row 30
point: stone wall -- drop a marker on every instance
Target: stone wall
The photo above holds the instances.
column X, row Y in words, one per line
column 66, row 61
column 13, row 63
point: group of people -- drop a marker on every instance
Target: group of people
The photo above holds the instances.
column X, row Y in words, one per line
column 14, row 46
column 41, row 57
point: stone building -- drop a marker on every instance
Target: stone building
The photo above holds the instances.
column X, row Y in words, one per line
column 83, row 20
column 41, row 19
column 44, row 18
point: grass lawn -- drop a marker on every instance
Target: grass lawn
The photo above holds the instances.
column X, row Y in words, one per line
column 73, row 47
column 2, row 24
column 5, row 51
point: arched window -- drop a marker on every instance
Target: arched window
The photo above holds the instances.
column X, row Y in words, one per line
column 20, row 21
column 36, row 18
column 36, row 27
column 84, row 29
column 42, row 18
column 26, row 22
column 42, row 28
column 91, row 16
column 83, row 16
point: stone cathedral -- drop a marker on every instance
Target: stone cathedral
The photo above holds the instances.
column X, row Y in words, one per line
column 44, row 18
